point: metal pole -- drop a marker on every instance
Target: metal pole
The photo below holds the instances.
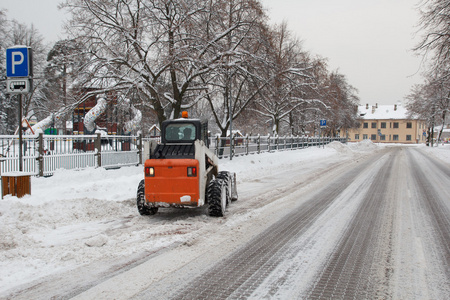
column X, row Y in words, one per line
column 231, row 120
column 20, row 134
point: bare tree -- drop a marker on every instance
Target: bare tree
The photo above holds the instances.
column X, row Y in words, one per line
column 231, row 85
column 435, row 26
column 343, row 102
column 5, row 103
column 154, row 46
column 431, row 102
column 290, row 76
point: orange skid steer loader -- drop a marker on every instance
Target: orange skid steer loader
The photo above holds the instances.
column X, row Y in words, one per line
column 183, row 172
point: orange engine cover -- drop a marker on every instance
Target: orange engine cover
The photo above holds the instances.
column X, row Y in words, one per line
column 169, row 184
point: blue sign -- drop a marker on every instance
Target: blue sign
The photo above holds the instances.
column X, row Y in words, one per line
column 323, row 123
column 18, row 62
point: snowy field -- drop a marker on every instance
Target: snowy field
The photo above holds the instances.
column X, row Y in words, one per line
column 78, row 219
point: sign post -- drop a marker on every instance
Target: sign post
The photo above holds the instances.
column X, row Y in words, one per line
column 19, row 73
column 323, row 124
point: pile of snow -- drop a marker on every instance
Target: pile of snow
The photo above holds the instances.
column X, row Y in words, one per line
column 363, row 146
column 249, row 165
column 440, row 151
column 339, row 147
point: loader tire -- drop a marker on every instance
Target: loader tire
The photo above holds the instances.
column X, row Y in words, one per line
column 226, row 177
column 217, row 198
column 140, row 201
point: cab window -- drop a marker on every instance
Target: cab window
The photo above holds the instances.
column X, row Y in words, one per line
column 180, row 132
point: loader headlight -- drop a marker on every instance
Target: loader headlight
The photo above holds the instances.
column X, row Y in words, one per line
column 150, row 172
column 191, row 171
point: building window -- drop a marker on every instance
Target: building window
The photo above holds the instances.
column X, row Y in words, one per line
column 408, row 137
column 373, row 137
column 374, row 124
column 365, row 137
column 395, row 124
column 382, row 137
column 366, row 125
column 408, row 125
column 395, row 137
column 357, row 136
column 383, row 124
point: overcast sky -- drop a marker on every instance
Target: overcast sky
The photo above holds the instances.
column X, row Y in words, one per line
column 369, row 41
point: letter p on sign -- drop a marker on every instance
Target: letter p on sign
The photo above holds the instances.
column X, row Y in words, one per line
column 16, row 62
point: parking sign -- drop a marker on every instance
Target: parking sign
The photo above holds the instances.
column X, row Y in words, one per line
column 19, row 62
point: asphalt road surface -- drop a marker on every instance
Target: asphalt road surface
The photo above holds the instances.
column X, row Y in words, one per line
column 394, row 240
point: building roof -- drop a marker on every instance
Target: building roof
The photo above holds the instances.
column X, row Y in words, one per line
column 383, row 112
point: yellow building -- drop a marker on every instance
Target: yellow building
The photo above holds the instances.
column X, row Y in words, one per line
column 387, row 124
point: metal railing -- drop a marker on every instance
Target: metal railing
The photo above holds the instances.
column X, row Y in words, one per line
column 42, row 154
column 259, row 144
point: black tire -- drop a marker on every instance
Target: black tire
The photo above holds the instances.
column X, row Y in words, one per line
column 217, row 198
column 143, row 209
column 226, row 177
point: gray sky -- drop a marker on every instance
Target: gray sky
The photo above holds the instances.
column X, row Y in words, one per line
column 369, row 41
column 43, row 14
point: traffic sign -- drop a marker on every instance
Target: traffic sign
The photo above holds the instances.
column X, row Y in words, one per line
column 19, row 62
column 323, row 123
column 18, row 86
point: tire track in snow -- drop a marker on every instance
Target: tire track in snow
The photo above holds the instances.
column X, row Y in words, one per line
column 348, row 274
column 435, row 204
column 430, row 181
column 244, row 270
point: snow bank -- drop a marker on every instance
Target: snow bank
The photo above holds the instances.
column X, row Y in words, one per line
column 442, row 151
column 363, row 146
column 339, row 147
column 257, row 164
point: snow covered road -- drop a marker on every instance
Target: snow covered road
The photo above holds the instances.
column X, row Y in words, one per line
column 354, row 221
